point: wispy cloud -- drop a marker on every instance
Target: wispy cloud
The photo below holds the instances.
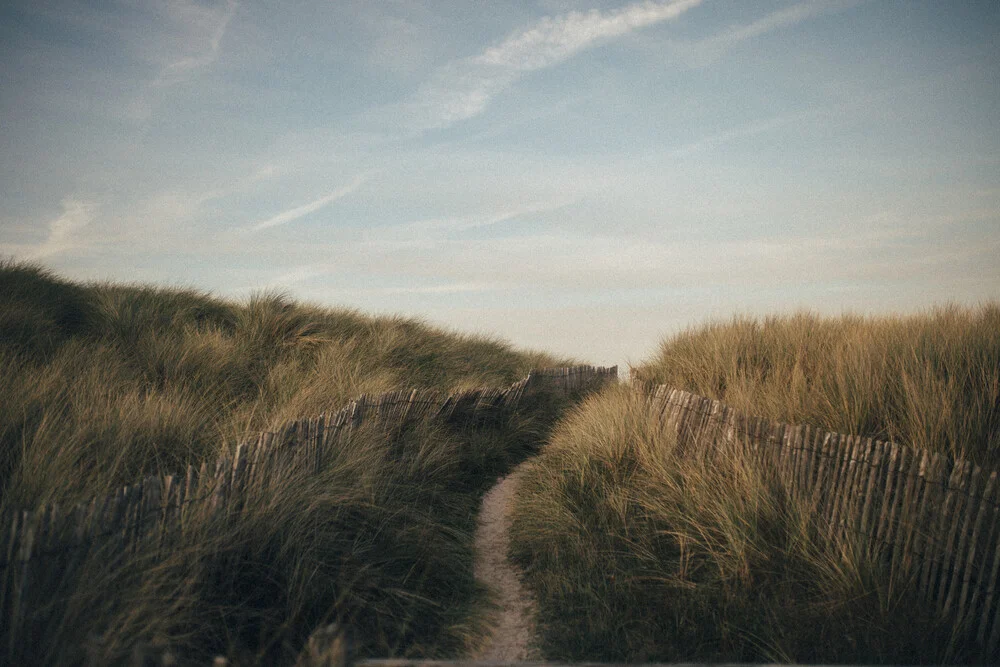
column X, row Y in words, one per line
column 555, row 39
column 708, row 50
column 189, row 40
column 75, row 216
column 448, row 288
column 206, row 26
column 421, row 228
column 295, row 213
column 310, row 272
column 744, row 131
column 462, row 89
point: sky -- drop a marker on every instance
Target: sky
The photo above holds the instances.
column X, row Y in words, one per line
column 583, row 177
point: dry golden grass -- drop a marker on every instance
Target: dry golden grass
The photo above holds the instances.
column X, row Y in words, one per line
column 105, row 383
column 639, row 553
column 930, row 380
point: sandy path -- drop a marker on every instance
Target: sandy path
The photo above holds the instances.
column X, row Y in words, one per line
column 514, row 635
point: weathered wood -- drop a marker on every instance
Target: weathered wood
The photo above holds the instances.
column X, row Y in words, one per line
column 821, row 493
column 320, row 442
column 784, row 434
column 967, row 517
column 911, row 506
column 994, row 638
column 874, row 482
column 971, row 561
column 950, row 521
column 849, row 516
column 988, row 538
column 989, row 589
column 803, row 448
column 888, row 493
column 896, row 536
column 220, row 486
column 921, row 535
column 936, row 531
column 843, row 459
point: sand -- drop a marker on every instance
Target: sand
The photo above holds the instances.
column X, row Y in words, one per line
column 514, row 635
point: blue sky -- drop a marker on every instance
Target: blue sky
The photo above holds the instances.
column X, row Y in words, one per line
column 577, row 176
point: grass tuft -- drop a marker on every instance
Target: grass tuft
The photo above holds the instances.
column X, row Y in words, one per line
column 106, row 383
column 638, row 553
column 930, row 381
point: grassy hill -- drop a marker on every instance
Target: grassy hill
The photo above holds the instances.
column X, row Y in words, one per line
column 640, row 553
column 104, row 383
column 930, row 380
column 636, row 553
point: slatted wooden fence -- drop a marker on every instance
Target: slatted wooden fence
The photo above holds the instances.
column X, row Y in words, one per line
column 41, row 550
column 934, row 518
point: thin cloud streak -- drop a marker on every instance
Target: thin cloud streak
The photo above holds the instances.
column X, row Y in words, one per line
column 450, row 288
column 293, row 214
column 75, row 216
column 463, row 89
column 457, row 224
column 177, row 70
column 555, row 39
column 746, row 131
column 779, row 19
column 709, row 50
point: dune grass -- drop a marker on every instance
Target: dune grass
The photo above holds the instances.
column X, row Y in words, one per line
column 380, row 540
column 930, row 380
column 104, row 383
column 107, row 382
column 637, row 553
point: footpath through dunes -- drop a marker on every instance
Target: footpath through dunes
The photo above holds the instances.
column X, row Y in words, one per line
column 514, row 636
column 226, row 529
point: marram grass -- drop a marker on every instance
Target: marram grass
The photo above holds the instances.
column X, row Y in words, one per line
column 106, row 383
column 930, row 380
column 640, row 554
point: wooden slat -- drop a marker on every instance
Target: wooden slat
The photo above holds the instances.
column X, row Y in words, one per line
column 220, row 485
column 949, row 524
column 785, row 435
column 989, row 586
column 872, row 483
column 802, row 445
column 967, row 517
column 933, row 538
column 921, row 536
column 896, row 537
column 940, row 528
column 911, row 507
column 967, row 596
column 813, row 442
column 842, row 457
column 994, row 638
column 889, row 493
column 821, row 487
column 321, row 436
column 988, row 538
column 849, row 514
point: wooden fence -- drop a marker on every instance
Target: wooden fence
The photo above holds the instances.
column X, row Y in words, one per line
column 933, row 518
column 42, row 550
